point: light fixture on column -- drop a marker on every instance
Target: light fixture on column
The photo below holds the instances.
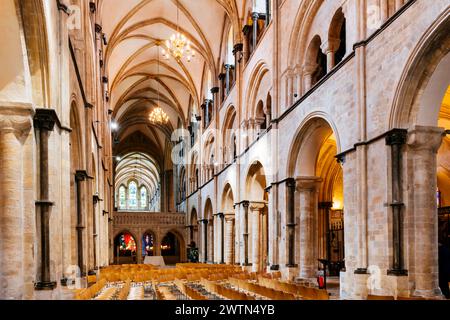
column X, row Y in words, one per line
column 158, row 116
column 178, row 45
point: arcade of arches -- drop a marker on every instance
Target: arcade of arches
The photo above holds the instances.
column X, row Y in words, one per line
column 303, row 135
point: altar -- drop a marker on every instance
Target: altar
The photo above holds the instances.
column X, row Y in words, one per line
column 154, row 260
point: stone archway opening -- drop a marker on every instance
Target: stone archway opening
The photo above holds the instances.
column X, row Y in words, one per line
column 148, row 244
column 257, row 220
column 318, row 201
column 171, row 245
column 443, row 193
column 125, row 248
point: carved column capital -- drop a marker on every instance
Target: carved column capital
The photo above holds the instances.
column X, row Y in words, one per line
column 330, row 45
column 425, row 138
column 45, row 119
column 307, row 183
column 257, row 206
column 16, row 119
column 309, row 68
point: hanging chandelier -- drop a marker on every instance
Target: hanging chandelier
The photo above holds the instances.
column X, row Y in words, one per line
column 158, row 116
column 178, row 45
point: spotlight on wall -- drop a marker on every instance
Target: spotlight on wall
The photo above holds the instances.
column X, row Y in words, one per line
column 216, row 164
column 114, row 126
column 118, row 158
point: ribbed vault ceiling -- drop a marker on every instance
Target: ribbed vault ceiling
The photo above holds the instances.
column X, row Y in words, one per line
column 136, row 31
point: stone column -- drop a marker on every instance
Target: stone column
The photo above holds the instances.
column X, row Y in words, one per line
column 255, row 17
column 15, row 125
column 307, row 193
column 205, row 239
column 384, row 10
column 245, row 205
column 423, row 144
column 80, row 176
column 396, row 139
column 398, row 4
column 227, row 78
column 222, row 238
column 329, row 48
column 229, row 238
column 290, row 222
column 256, row 232
column 44, row 121
column 308, row 71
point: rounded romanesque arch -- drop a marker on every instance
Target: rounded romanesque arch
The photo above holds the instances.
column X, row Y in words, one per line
column 424, row 80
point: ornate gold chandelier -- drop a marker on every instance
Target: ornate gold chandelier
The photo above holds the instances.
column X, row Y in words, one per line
column 178, row 45
column 158, row 116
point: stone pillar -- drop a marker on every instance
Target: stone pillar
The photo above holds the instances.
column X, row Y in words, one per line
column 229, row 238
column 245, row 205
column 255, row 17
column 384, row 10
column 273, row 229
column 227, row 78
column 256, row 209
column 329, row 48
column 396, row 139
column 307, row 194
column 44, row 121
column 290, row 222
column 398, row 4
column 14, row 127
column 205, row 239
column 80, row 176
column 222, row 237
column 308, row 71
column 423, row 144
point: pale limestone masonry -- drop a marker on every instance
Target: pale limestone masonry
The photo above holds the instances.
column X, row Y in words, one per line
column 299, row 102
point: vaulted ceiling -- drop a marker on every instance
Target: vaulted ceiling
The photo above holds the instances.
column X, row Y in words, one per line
column 136, row 31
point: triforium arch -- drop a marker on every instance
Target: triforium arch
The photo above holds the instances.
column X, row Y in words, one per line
column 316, row 191
column 421, row 109
column 260, row 86
column 257, row 219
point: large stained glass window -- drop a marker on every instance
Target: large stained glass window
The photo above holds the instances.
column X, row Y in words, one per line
column 122, row 200
column 143, row 197
column 126, row 242
column 132, row 195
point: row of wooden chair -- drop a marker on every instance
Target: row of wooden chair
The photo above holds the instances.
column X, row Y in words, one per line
column 261, row 290
column 107, row 294
column 123, row 293
column 225, row 292
column 305, row 293
column 91, row 292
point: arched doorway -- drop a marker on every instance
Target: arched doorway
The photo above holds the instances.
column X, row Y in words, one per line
column 258, row 228
column 228, row 230
column 208, row 239
column 171, row 248
column 420, row 109
column 125, row 248
column 148, row 244
column 319, row 199
column 193, row 255
column 443, row 193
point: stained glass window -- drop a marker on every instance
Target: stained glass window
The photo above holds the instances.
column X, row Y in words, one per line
column 143, row 197
column 132, row 195
column 122, row 200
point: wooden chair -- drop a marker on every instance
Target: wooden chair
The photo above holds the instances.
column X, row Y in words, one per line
column 374, row 297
